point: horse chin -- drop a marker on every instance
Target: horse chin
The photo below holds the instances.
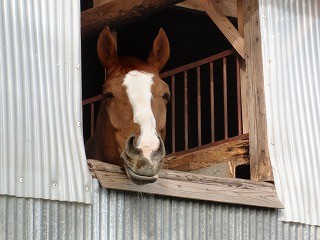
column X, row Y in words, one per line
column 139, row 179
column 135, row 177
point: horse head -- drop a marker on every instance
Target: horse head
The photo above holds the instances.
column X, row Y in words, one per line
column 131, row 123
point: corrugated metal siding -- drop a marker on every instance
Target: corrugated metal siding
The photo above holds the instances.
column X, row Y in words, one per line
column 291, row 49
column 41, row 145
column 121, row 215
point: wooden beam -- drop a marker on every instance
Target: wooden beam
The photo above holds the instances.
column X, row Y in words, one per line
column 242, row 73
column 191, row 186
column 225, row 26
column 259, row 154
column 231, row 150
column 240, row 17
column 117, row 13
column 100, row 2
column 227, row 7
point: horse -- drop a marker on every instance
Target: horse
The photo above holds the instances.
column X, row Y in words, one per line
column 131, row 123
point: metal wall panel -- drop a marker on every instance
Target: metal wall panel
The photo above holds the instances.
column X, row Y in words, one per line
column 291, row 48
column 41, row 146
column 123, row 215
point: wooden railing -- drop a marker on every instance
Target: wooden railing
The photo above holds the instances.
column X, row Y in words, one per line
column 179, row 111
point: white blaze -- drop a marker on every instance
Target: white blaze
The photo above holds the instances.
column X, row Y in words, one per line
column 138, row 86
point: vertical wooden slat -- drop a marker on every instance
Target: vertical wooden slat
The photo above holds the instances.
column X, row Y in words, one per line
column 212, row 102
column 239, row 108
column 91, row 119
column 240, row 17
column 199, row 105
column 225, row 98
column 173, row 114
column 242, row 72
column 185, row 87
column 260, row 166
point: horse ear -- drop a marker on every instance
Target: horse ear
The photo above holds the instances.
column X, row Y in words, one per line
column 106, row 49
column 160, row 52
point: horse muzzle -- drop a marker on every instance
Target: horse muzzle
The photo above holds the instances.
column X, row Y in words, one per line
column 139, row 169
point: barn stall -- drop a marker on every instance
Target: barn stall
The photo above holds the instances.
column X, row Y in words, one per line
column 46, row 188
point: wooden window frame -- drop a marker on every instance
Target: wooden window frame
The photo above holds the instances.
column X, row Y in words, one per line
column 247, row 41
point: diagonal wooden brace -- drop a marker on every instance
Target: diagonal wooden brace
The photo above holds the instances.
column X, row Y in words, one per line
column 225, row 26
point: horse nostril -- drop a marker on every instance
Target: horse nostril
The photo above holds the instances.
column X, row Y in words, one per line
column 131, row 150
column 160, row 153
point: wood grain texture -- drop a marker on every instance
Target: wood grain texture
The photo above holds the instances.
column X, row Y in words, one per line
column 259, row 154
column 227, row 7
column 191, row 186
column 100, row 2
column 117, row 13
column 233, row 150
column 243, row 74
column 225, row 26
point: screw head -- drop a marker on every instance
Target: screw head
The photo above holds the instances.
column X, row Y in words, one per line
column 79, row 124
column 78, row 66
column 54, row 185
column 21, row 179
column 87, row 189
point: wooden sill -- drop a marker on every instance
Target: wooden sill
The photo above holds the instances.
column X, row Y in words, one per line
column 191, row 186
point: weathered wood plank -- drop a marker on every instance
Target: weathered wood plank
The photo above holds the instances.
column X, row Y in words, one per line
column 243, row 74
column 100, row 2
column 225, row 26
column 227, row 7
column 259, row 154
column 192, row 186
column 117, row 13
column 231, row 150
column 224, row 169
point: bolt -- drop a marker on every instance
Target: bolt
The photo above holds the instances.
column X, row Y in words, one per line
column 87, row 189
column 54, row 185
column 78, row 66
column 264, row 15
column 21, row 180
column 79, row 124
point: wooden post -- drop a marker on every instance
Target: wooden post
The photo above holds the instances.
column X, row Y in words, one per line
column 243, row 76
column 260, row 166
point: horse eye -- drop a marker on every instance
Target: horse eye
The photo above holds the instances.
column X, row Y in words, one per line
column 166, row 96
column 108, row 96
